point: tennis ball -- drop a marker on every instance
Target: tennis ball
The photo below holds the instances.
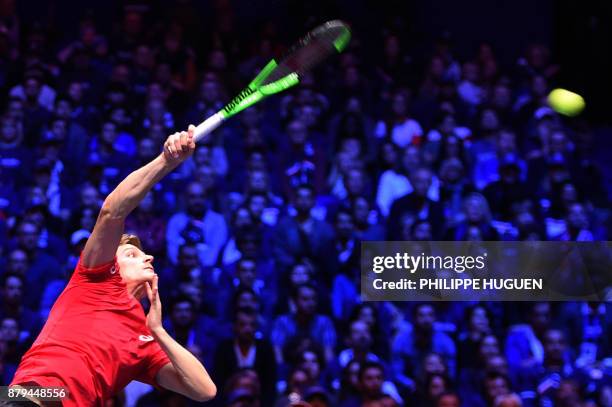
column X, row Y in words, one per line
column 565, row 102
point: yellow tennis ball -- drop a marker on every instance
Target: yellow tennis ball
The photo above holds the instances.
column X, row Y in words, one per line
column 565, row 102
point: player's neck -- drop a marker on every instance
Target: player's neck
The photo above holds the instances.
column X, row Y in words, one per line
column 136, row 290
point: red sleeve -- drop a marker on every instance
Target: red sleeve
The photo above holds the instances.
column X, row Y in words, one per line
column 101, row 271
column 155, row 359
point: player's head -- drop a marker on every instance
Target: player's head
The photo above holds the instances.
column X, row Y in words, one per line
column 135, row 266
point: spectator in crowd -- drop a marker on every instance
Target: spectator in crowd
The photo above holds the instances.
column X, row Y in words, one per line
column 244, row 350
column 304, row 321
column 410, row 347
column 198, row 225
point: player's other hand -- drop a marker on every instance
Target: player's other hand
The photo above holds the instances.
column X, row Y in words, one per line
column 179, row 146
column 154, row 317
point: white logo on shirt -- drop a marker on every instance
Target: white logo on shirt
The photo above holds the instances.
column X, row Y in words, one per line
column 145, row 338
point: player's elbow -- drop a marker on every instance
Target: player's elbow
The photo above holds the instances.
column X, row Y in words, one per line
column 111, row 209
column 205, row 392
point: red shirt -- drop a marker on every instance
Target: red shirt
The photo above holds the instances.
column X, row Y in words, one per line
column 95, row 340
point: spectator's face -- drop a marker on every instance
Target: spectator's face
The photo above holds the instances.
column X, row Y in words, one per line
column 18, row 262
column 568, row 394
column 182, row 314
column 88, row 219
column 355, row 182
column 489, row 347
column 554, row 345
column 351, row 147
column 257, row 204
column 300, row 274
column 27, row 236
column 539, row 86
column 558, row 142
column 479, row 321
column 246, row 272
column 361, row 211
column 422, row 232
column 502, row 96
column 540, row 316
column 206, row 176
column 258, row 181
column 75, row 91
column 371, row 381
column 9, row 131
column 489, row 120
column 366, row 314
column 425, row 318
column 310, row 363
column 9, row 330
column 209, row 91
column 188, row 257
column 32, row 88
column 497, row 364
column 306, row 301
column 399, row 105
column 308, row 115
column 304, row 201
column 60, row 129
column 433, row 364
column 243, row 218
column 13, row 291
column 63, row 109
column 437, row 386
column 247, row 299
column 15, row 109
column 569, row 193
column 506, row 142
column 109, row 133
column 297, row 132
column 448, row 400
column 155, row 92
column 135, row 266
column 246, row 325
column 360, row 337
column 474, row 210
column 196, row 200
column 411, row 158
column 496, row 387
column 389, row 154
column 421, row 182
column 344, row 225
column 298, row 381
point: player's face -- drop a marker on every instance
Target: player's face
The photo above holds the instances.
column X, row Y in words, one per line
column 134, row 264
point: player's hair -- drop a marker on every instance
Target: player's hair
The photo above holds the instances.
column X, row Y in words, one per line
column 128, row 238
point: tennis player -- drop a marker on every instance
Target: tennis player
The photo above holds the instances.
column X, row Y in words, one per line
column 97, row 338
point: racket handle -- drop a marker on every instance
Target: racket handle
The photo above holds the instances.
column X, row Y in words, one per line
column 207, row 126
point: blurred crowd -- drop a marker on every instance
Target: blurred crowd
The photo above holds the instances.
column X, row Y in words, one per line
column 257, row 236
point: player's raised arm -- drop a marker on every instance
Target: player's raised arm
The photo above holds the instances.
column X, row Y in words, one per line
column 104, row 240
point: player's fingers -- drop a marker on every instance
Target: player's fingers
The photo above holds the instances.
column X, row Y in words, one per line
column 149, row 292
column 184, row 141
column 177, row 143
column 155, row 283
column 191, row 135
column 170, row 146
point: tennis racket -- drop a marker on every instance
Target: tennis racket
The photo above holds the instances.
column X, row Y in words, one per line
column 325, row 40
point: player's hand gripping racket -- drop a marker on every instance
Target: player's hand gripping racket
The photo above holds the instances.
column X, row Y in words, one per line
column 325, row 40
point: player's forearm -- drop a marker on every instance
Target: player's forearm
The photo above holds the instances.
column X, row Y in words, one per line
column 191, row 372
column 135, row 186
